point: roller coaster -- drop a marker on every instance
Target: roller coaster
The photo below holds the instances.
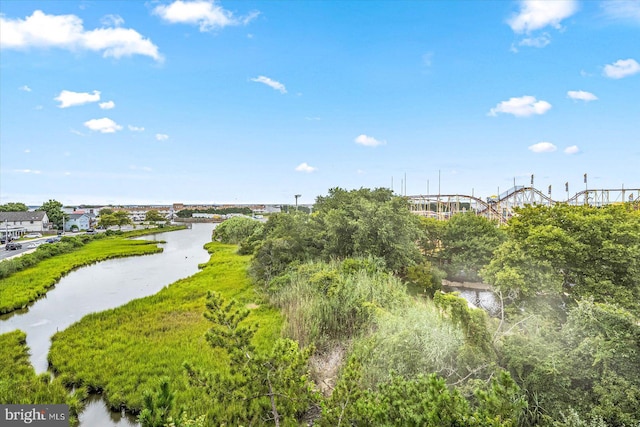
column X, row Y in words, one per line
column 500, row 208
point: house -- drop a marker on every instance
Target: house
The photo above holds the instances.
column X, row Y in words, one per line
column 16, row 224
column 77, row 221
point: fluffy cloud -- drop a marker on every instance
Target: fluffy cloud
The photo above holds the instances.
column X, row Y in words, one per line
column 271, row 83
column 25, row 88
column 572, row 150
column 107, row 105
column 135, row 128
column 622, row 68
column 206, row 14
column 521, row 107
column 543, row 147
column 104, row 125
column 537, row 14
column 162, row 136
column 581, row 95
column 368, row 141
column 70, row 99
column 67, row 32
column 304, row 167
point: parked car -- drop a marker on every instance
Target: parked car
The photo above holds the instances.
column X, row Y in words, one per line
column 91, row 230
column 53, row 239
column 13, row 246
column 33, row 235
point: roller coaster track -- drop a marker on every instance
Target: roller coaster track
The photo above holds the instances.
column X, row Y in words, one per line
column 501, row 208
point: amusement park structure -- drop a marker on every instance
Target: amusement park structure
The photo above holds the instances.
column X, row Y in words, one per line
column 501, row 207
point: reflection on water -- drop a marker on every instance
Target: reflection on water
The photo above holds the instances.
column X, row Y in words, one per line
column 105, row 285
column 97, row 414
column 479, row 298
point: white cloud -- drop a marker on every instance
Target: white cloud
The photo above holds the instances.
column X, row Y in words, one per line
column 67, row 32
column 521, row 107
column 206, row 14
column 271, row 83
column 537, row 14
column 104, row 125
column 624, row 10
column 572, row 150
column 35, row 172
column 27, row 151
column 75, row 132
column 540, row 41
column 304, row 167
column 622, row 68
column 107, row 105
column 581, row 95
column 368, row 141
column 70, row 99
column 162, row 136
column 112, row 20
column 543, row 147
column 135, row 128
column 25, row 88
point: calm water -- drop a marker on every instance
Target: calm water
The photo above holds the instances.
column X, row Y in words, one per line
column 485, row 300
column 106, row 285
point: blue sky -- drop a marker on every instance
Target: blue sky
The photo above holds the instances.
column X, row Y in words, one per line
column 107, row 102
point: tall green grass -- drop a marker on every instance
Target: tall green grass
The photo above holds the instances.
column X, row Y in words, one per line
column 25, row 286
column 125, row 351
column 19, row 383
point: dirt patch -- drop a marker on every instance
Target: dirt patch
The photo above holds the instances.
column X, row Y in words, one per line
column 252, row 306
column 325, row 368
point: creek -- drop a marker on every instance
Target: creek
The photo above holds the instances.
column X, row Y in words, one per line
column 102, row 286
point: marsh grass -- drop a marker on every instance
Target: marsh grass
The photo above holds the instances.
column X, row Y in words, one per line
column 124, row 351
column 19, row 383
column 23, row 287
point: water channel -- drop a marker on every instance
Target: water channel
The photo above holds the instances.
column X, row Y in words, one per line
column 102, row 286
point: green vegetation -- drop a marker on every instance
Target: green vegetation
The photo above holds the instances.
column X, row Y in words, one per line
column 56, row 216
column 23, row 287
column 14, row 207
column 186, row 213
column 337, row 318
column 19, row 383
column 153, row 215
column 236, row 229
column 124, row 351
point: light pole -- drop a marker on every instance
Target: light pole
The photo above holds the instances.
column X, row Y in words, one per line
column 296, row 196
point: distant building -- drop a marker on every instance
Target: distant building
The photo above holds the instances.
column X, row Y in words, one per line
column 78, row 221
column 16, row 224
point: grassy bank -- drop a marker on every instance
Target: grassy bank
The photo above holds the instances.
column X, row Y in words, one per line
column 25, row 286
column 19, row 383
column 125, row 351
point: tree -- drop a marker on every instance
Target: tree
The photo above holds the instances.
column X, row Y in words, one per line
column 468, row 242
column 122, row 218
column 153, row 215
column 236, row 229
column 107, row 220
column 14, row 207
column 56, row 216
column 258, row 387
